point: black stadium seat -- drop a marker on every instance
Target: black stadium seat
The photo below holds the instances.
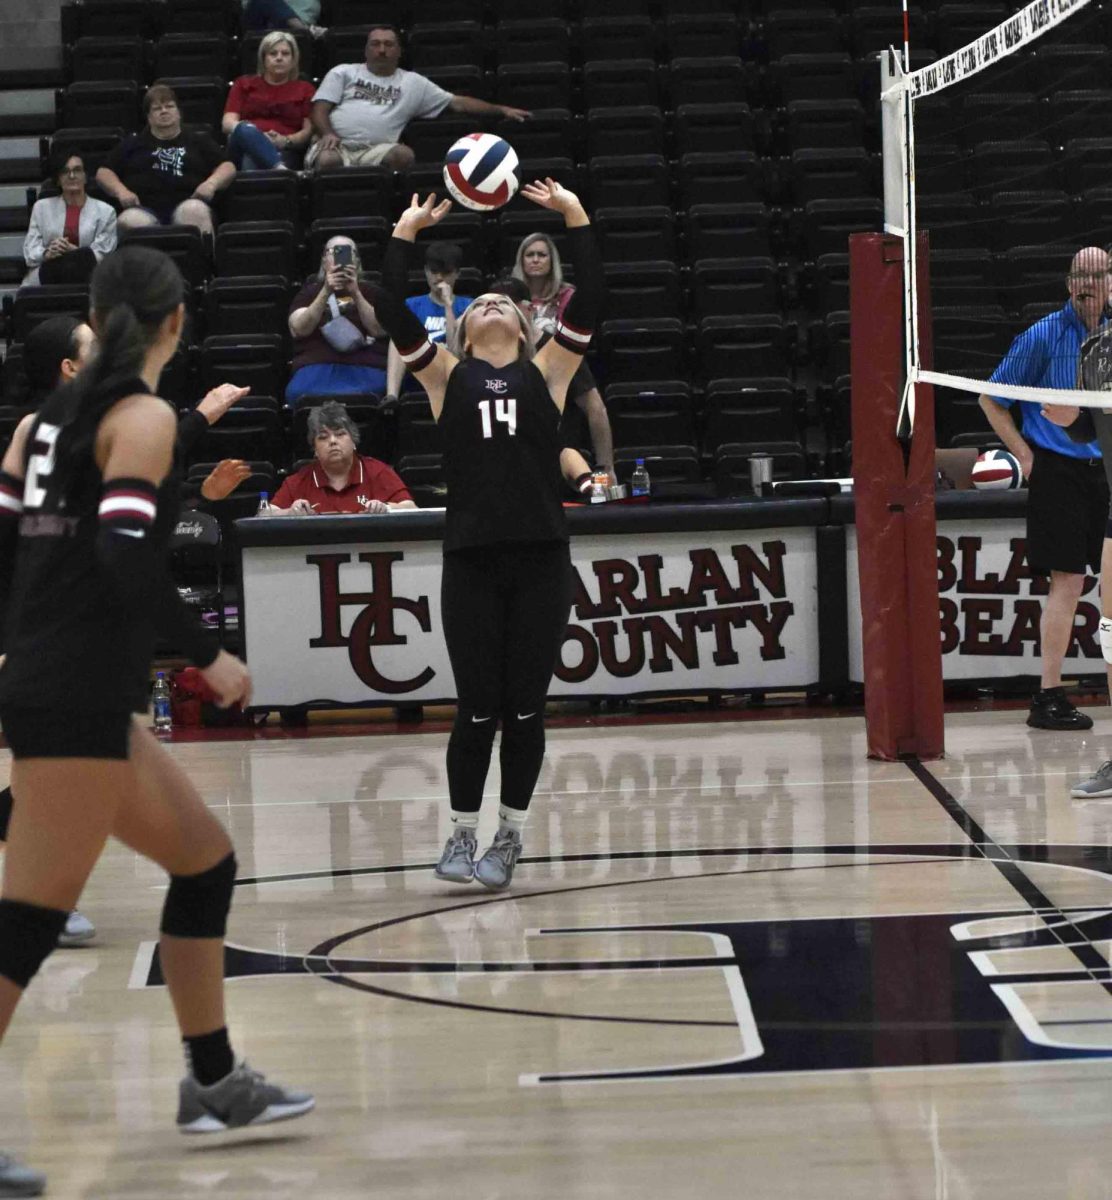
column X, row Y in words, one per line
column 183, row 243
column 738, row 178
column 616, row 82
column 718, row 80
column 617, row 178
column 541, row 39
column 353, row 192
column 636, row 234
column 201, row 99
column 260, row 196
column 814, row 30
column 447, row 44
column 112, row 103
column 627, row 129
column 94, row 145
column 761, row 409
column 99, row 58
column 248, row 304
column 642, row 349
column 734, row 286
column 255, row 360
column 192, row 55
column 714, row 128
column 368, row 233
column 610, row 37
column 535, row 85
column 36, row 304
column 643, row 289
column 737, row 346
column 700, row 34
column 728, row 231
column 249, row 247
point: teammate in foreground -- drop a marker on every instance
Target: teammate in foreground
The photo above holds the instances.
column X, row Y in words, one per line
column 506, row 584
column 87, row 502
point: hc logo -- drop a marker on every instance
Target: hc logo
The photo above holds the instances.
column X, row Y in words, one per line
column 374, row 626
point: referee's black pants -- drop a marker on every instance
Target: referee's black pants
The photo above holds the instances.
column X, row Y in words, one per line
column 504, row 610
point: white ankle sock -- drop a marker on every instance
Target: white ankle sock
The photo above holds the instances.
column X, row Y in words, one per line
column 511, row 818
column 465, row 820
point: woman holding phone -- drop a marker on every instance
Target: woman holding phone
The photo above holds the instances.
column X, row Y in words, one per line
column 339, row 349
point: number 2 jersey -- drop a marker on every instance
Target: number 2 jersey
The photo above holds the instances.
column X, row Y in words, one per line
column 501, row 432
column 80, row 627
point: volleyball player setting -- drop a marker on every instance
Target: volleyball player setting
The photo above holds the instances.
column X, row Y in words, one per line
column 481, row 172
column 737, row 839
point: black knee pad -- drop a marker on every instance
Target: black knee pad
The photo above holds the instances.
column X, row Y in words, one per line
column 28, row 933
column 197, row 905
column 5, row 812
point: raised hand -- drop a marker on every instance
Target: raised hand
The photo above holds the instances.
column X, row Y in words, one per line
column 224, row 478
column 422, row 214
column 551, row 194
column 217, row 402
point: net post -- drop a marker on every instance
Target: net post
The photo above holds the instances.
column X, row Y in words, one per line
column 895, row 515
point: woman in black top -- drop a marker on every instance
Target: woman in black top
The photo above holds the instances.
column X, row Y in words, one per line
column 507, row 580
column 87, row 504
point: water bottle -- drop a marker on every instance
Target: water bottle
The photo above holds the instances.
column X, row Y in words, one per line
column 639, row 481
column 161, row 696
column 264, row 505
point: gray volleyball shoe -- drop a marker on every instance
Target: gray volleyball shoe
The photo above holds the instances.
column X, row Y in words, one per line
column 243, row 1097
column 18, row 1180
column 457, row 863
column 1097, row 786
column 495, row 869
column 79, row 930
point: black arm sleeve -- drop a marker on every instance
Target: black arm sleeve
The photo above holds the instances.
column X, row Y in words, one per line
column 190, row 427
column 1083, row 428
column 142, row 583
column 137, row 568
column 575, row 326
column 395, row 266
column 402, row 324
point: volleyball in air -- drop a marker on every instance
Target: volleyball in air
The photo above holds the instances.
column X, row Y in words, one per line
column 997, row 469
column 481, row 171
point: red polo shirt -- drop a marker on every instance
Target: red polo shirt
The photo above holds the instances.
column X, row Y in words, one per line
column 369, row 480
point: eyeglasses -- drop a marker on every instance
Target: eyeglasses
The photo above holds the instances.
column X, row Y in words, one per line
column 72, row 171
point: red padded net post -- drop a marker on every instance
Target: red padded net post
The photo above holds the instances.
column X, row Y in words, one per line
column 894, row 497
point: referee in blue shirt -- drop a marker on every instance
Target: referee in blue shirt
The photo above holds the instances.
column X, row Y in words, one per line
column 1067, row 499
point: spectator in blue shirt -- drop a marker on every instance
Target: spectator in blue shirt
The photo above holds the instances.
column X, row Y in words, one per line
column 437, row 310
column 1067, row 500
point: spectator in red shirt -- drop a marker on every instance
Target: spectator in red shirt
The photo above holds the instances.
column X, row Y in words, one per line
column 266, row 119
column 339, row 481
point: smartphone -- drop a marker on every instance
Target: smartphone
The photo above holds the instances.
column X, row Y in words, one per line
column 342, row 255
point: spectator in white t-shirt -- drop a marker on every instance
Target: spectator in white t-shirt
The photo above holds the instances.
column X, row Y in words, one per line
column 361, row 110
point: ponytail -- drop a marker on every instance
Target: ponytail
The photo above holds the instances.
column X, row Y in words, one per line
column 132, row 292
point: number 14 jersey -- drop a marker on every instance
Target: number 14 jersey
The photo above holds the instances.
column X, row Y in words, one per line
column 501, row 432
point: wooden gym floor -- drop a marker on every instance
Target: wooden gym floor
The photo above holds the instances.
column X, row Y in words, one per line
column 738, row 959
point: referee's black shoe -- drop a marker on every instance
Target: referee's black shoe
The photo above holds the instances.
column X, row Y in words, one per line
column 1052, row 709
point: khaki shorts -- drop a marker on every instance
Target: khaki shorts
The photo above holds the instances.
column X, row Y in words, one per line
column 355, row 154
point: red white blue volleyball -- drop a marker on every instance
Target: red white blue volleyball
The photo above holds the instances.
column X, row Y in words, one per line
column 481, row 171
column 997, row 469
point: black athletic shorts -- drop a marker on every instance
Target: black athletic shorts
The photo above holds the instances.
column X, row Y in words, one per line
column 51, row 733
column 1067, row 513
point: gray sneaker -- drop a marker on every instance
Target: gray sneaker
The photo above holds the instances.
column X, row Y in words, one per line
column 79, row 930
column 496, row 868
column 18, row 1180
column 241, row 1098
column 1097, row 786
column 457, row 863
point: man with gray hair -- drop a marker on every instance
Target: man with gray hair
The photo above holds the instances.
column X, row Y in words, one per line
column 339, row 480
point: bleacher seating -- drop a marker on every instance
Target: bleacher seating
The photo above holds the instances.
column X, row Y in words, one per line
column 725, row 153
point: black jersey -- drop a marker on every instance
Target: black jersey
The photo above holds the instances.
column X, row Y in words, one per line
column 502, row 447
column 69, row 639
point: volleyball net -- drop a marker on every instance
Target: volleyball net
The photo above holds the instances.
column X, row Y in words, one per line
column 1000, row 152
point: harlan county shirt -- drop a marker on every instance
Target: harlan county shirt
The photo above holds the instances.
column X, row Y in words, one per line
column 376, row 108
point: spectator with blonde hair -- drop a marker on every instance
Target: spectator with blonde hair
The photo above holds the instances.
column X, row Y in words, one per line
column 266, row 118
column 537, row 264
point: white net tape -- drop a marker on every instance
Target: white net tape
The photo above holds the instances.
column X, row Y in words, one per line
column 1017, row 31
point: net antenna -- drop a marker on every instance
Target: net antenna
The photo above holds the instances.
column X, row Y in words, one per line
column 900, row 89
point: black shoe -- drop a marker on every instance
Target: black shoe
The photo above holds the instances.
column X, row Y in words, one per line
column 1051, row 709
